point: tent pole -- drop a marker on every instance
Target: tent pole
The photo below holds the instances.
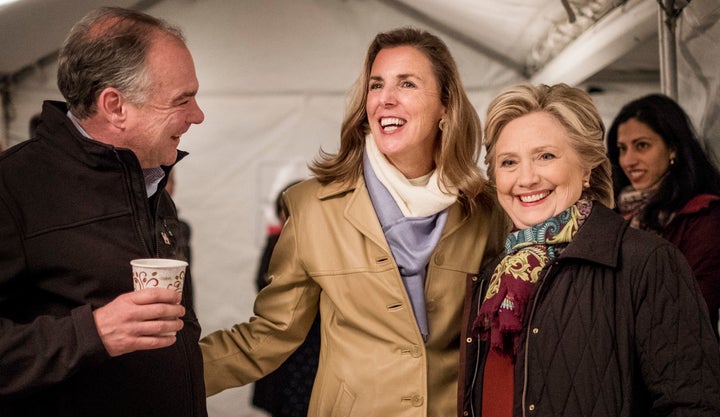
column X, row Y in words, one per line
column 4, row 114
column 667, row 17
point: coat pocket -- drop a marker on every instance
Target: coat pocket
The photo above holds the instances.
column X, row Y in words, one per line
column 343, row 402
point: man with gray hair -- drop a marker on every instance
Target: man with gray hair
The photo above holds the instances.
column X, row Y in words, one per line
column 77, row 203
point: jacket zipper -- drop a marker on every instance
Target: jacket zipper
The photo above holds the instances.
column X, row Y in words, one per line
column 481, row 296
column 477, row 364
column 135, row 215
column 527, row 341
column 164, row 234
column 156, row 251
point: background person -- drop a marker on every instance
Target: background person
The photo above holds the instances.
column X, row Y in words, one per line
column 380, row 243
column 77, row 203
column 583, row 315
column 33, row 125
column 182, row 240
column 285, row 392
column 665, row 183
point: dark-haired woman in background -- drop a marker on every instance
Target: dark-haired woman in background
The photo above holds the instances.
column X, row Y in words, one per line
column 666, row 183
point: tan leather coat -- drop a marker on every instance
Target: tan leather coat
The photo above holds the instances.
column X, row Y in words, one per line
column 332, row 257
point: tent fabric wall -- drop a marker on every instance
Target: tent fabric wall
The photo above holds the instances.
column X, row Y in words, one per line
column 698, row 56
column 274, row 77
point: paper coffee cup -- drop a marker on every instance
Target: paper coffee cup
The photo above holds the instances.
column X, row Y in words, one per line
column 158, row 273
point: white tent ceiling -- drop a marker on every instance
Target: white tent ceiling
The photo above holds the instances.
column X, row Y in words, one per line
column 522, row 35
column 33, row 29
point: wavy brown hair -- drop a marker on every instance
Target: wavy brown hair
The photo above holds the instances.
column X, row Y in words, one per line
column 458, row 145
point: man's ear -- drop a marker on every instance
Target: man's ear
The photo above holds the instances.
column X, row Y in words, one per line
column 111, row 105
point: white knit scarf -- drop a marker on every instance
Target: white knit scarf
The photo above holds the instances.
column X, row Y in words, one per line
column 416, row 197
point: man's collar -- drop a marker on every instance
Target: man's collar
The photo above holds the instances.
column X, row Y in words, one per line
column 76, row 122
column 152, row 176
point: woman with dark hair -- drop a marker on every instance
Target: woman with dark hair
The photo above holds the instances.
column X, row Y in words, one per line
column 666, row 183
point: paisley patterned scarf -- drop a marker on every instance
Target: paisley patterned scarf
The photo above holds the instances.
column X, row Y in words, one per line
column 527, row 252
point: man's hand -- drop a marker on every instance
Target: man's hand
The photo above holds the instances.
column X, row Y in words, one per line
column 140, row 320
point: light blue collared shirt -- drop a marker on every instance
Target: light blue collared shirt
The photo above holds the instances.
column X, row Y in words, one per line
column 153, row 176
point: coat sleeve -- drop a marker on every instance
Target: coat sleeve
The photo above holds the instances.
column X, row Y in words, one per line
column 283, row 313
column 678, row 355
column 36, row 350
column 701, row 246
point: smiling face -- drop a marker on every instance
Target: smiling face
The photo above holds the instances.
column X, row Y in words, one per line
column 538, row 174
column 154, row 127
column 644, row 156
column 404, row 109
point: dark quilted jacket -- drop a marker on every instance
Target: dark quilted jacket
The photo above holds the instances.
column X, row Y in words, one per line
column 616, row 328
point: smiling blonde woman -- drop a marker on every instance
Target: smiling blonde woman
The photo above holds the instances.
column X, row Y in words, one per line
column 582, row 316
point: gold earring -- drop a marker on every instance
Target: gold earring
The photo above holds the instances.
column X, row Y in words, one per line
column 441, row 125
column 586, row 184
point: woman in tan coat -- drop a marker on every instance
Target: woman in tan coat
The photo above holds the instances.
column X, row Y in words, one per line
column 380, row 243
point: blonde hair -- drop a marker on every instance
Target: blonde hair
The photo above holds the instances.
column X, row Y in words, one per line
column 458, row 145
column 574, row 109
